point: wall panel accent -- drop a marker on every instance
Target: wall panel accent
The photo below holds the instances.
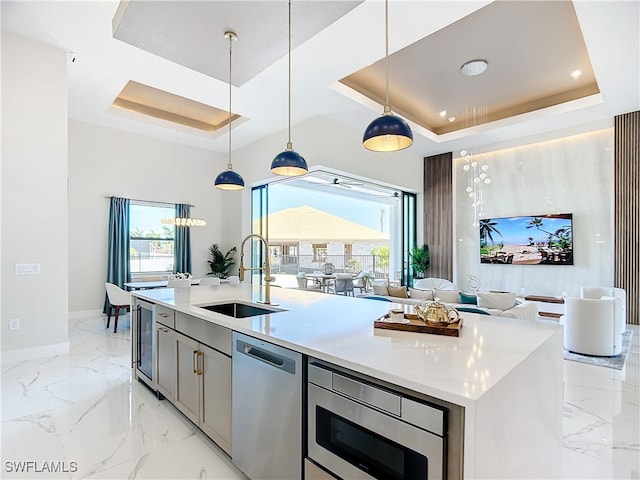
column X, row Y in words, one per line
column 438, row 214
column 627, row 211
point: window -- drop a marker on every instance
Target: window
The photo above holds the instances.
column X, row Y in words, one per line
column 152, row 243
column 319, row 252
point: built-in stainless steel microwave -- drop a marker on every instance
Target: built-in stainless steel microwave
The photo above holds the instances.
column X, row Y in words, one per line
column 360, row 430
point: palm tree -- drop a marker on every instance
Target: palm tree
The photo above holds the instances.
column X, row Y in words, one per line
column 168, row 232
column 537, row 222
column 562, row 235
column 487, row 229
column 137, row 232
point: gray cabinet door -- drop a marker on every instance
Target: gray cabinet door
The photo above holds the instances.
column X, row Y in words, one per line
column 215, row 414
column 166, row 358
column 188, row 378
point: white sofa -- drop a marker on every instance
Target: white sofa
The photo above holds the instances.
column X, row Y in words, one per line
column 491, row 303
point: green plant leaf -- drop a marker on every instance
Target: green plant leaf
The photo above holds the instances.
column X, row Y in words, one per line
column 220, row 263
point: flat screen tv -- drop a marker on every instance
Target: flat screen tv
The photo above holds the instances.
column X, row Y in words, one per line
column 527, row 240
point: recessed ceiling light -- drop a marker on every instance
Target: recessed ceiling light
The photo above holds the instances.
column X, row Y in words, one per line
column 474, row 67
column 443, row 113
column 451, row 119
column 575, row 74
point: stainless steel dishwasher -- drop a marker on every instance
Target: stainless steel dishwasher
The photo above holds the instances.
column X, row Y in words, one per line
column 267, row 409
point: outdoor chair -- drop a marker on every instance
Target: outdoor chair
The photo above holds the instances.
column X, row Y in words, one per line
column 344, row 284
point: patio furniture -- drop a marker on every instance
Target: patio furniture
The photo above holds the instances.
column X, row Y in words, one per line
column 324, row 280
column 362, row 282
column 303, row 284
column 344, row 284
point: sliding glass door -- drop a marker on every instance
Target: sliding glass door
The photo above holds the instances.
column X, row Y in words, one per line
column 323, row 218
column 259, row 226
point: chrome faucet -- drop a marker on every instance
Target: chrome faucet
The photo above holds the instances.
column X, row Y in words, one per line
column 267, row 268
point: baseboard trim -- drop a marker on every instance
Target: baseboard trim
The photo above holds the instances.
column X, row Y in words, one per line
column 23, row 354
column 80, row 314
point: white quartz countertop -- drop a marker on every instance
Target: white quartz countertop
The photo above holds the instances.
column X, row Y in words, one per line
column 340, row 330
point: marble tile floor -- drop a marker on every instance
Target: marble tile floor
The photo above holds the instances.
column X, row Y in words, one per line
column 81, row 414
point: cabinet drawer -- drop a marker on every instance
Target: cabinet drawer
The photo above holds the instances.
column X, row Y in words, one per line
column 205, row 332
column 165, row 316
column 314, row 472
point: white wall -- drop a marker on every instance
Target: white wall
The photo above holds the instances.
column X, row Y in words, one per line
column 568, row 175
column 34, row 196
column 104, row 161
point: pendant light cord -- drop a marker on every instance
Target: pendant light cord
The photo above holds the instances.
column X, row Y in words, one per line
column 231, row 37
column 387, row 108
column 289, row 145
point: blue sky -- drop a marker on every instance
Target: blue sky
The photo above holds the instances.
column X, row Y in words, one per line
column 149, row 218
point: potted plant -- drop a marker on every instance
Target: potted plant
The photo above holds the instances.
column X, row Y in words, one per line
column 420, row 260
column 219, row 263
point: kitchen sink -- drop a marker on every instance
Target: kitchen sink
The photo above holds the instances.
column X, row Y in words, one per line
column 240, row 310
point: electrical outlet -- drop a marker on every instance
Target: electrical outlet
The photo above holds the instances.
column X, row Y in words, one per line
column 14, row 324
column 27, row 269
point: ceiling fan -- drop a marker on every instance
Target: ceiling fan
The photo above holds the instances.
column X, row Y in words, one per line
column 346, row 183
column 388, row 195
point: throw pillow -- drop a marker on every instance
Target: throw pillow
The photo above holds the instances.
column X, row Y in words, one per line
column 472, row 310
column 400, row 292
column 447, row 296
column 500, row 301
column 468, row 298
column 420, row 294
column 379, row 289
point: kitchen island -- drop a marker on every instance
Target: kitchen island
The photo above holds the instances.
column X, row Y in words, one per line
column 504, row 373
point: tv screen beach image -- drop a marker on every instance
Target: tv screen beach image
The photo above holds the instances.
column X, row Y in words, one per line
column 527, row 240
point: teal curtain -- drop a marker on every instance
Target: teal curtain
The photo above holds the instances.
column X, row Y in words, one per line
column 118, row 271
column 183, row 241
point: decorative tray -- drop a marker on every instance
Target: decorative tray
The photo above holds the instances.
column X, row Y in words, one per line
column 413, row 324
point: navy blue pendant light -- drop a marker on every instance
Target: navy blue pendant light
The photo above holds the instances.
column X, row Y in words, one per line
column 229, row 180
column 288, row 162
column 387, row 133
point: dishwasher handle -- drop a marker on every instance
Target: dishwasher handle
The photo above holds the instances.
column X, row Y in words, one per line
column 275, row 360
